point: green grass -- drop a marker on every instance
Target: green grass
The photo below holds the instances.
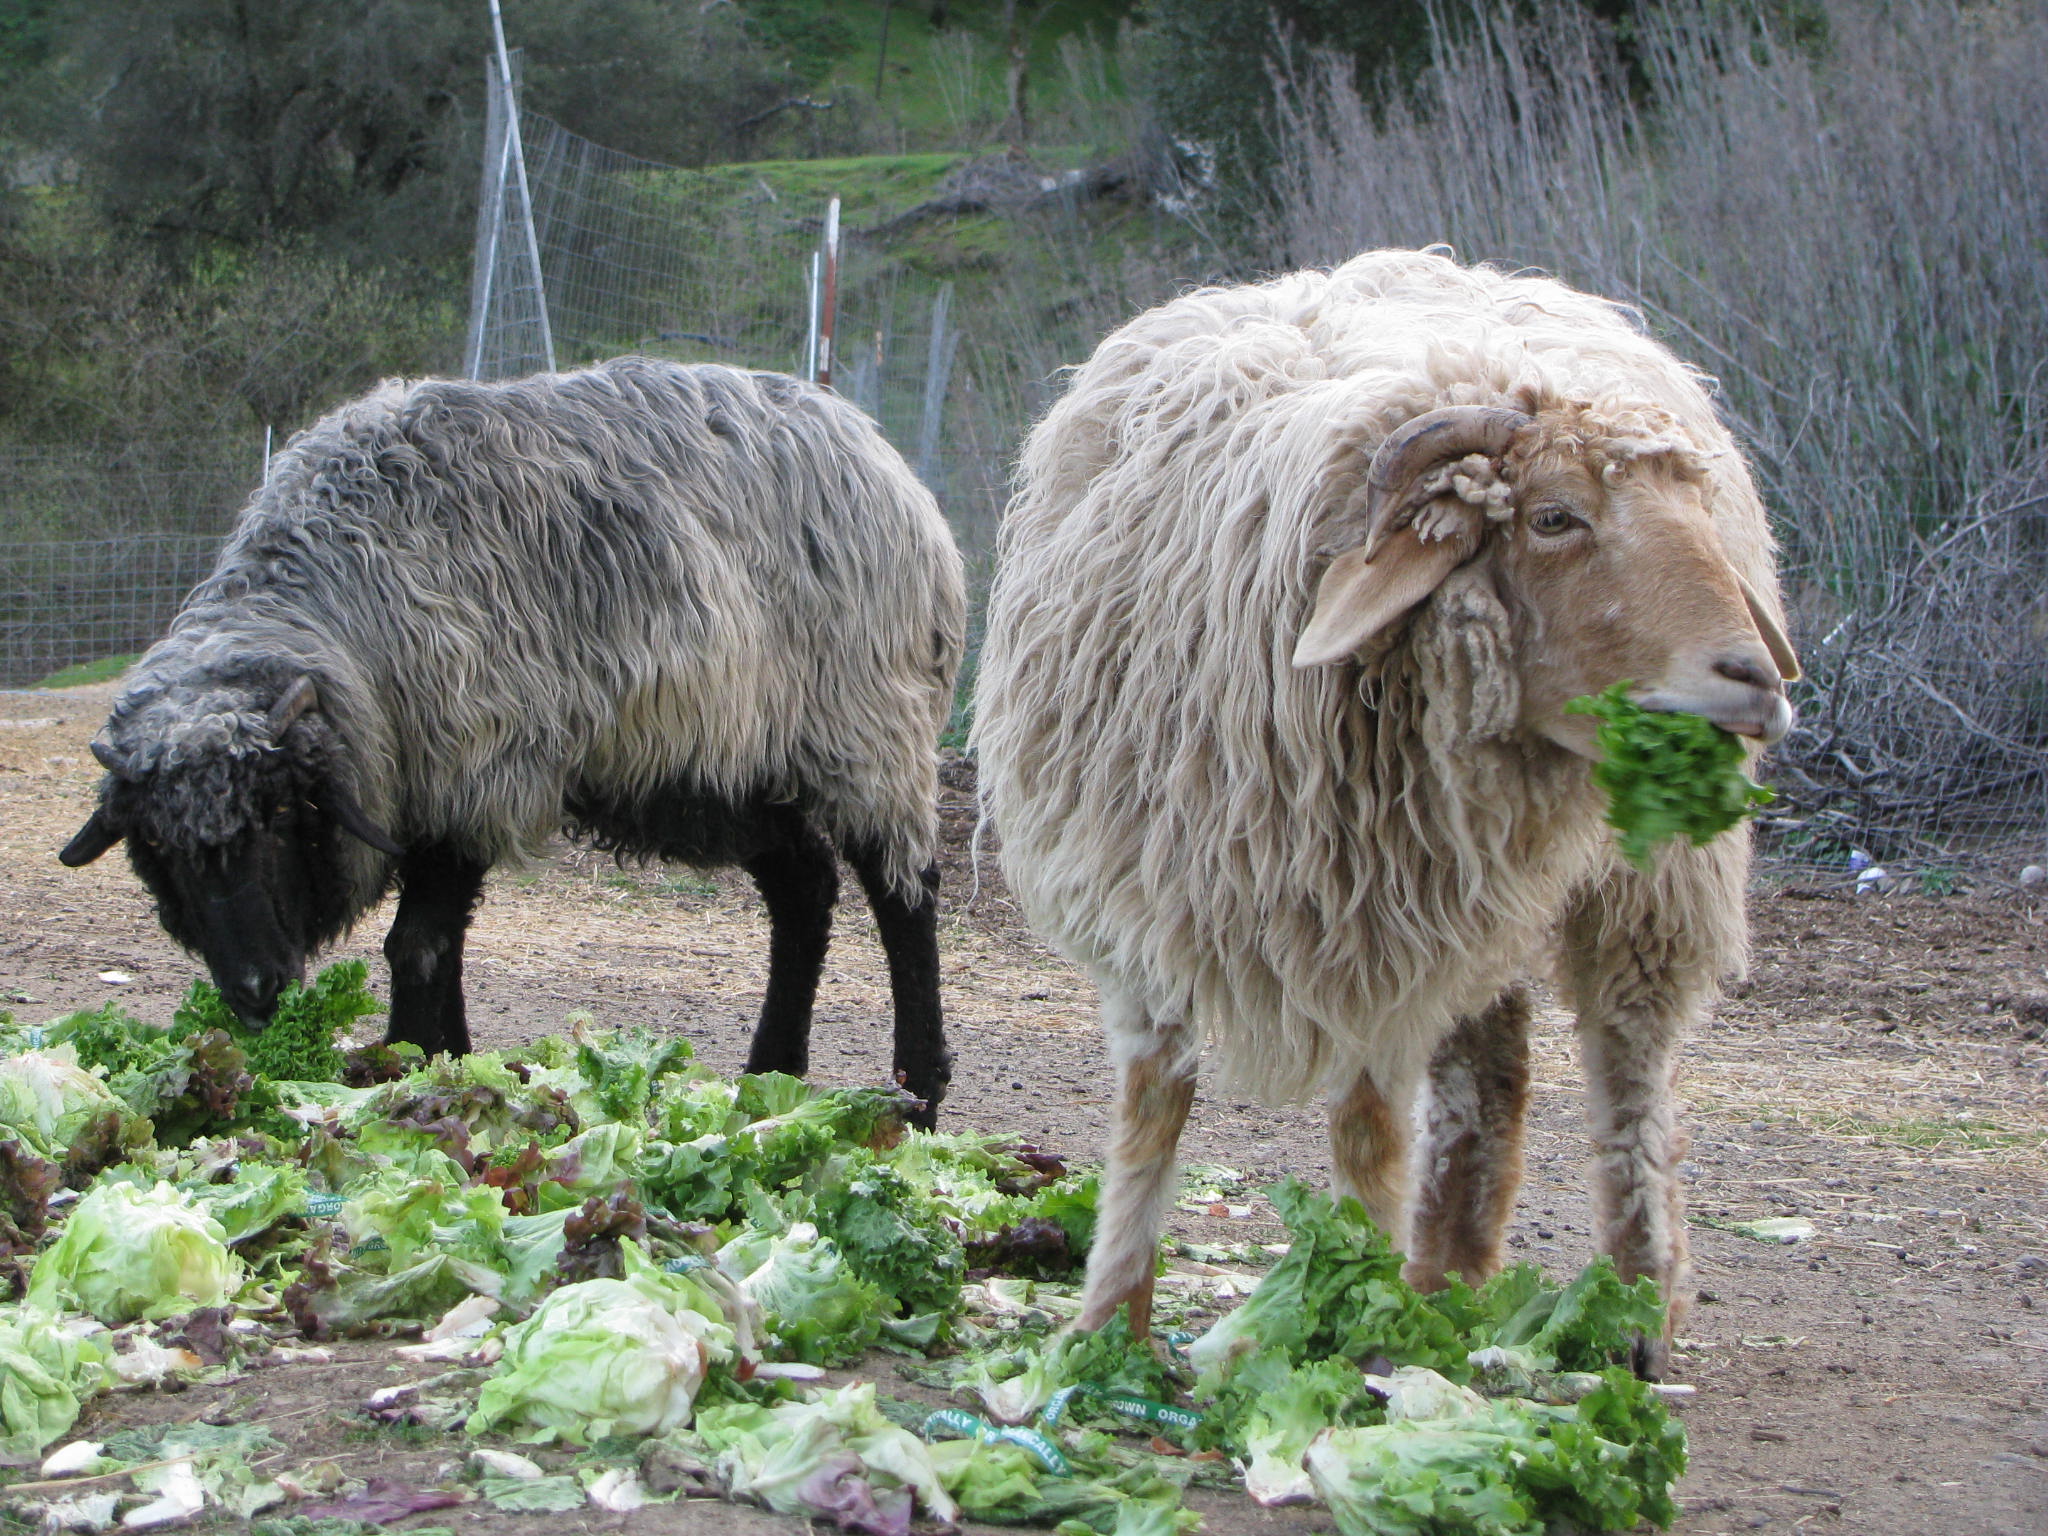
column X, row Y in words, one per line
column 105, row 670
column 682, row 882
column 1931, row 1133
column 671, row 883
column 923, row 88
column 867, row 186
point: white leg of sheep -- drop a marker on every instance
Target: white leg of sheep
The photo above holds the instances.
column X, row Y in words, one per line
column 1641, row 959
column 1156, row 1063
column 1369, row 1122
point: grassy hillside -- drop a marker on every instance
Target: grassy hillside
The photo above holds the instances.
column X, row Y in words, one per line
column 945, row 84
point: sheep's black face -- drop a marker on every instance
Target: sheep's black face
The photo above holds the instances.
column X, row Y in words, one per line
column 252, row 905
column 245, row 907
column 232, row 816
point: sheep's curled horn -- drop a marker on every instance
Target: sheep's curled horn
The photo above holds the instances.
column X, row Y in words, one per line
column 98, row 834
column 291, row 704
column 1393, row 483
column 1357, row 598
column 331, row 797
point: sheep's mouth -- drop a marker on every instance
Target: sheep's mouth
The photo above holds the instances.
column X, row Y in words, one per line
column 1760, row 717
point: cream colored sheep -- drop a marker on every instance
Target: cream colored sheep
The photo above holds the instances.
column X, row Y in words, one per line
column 1295, row 584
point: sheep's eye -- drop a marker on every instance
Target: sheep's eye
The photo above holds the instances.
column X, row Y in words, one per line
column 1552, row 521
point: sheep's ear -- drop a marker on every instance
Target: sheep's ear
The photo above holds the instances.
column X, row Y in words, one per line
column 1774, row 638
column 1358, row 597
column 93, row 839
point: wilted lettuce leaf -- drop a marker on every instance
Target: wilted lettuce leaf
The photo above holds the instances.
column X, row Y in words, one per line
column 1000, row 1483
column 26, row 1183
column 469, row 1107
column 1666, row 774
column 835, row 1457
column 592, row 1235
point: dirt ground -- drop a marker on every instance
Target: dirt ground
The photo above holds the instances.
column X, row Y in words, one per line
column 1883, row 1074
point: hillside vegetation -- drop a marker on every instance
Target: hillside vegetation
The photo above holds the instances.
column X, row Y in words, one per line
column 221, row 220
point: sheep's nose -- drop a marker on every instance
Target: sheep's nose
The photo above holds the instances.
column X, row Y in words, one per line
column 1753, row 670
column 253, row 996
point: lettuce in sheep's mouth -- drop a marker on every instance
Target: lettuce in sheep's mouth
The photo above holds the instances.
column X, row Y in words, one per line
column 1666, row 774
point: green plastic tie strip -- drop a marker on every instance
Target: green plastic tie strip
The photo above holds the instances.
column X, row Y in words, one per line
column 974, row 1427
column 1140, row 1408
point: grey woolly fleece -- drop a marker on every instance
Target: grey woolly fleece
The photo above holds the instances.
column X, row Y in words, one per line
column 636, row 575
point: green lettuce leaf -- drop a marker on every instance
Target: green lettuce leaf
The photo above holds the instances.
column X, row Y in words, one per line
column 623, row 1067
column 297, row 1045
column 65, row 1113
column 254, row 1200
column 1003, row 1484
column 833, row 1456
column 1271, row 1408
column 810, row 1298
column 1513, row 1469
column 411, row 1217
column 889, row 1234
column 1338, row 1292
column 1015, row 1386
column 45, row 1375
column 1666, row 774
column 1589, row 1325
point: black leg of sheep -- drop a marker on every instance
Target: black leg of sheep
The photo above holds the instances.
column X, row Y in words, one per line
column 799, row 882
column 909, row 928
column 438, row 891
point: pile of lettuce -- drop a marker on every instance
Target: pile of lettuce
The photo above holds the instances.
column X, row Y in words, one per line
column 1501, row 1410
column 622, row 1252
column 147, row 1173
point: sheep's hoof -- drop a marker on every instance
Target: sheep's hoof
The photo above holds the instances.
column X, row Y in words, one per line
column 924, row 1115
column 1650, row 1358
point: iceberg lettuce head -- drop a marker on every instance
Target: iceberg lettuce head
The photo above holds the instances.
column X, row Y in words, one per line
column 606, row 1357
column 128, row 1252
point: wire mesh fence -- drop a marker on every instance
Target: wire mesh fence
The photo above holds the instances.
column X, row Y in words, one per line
column 72, row 601
column 157, row 513
column 632, row 260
